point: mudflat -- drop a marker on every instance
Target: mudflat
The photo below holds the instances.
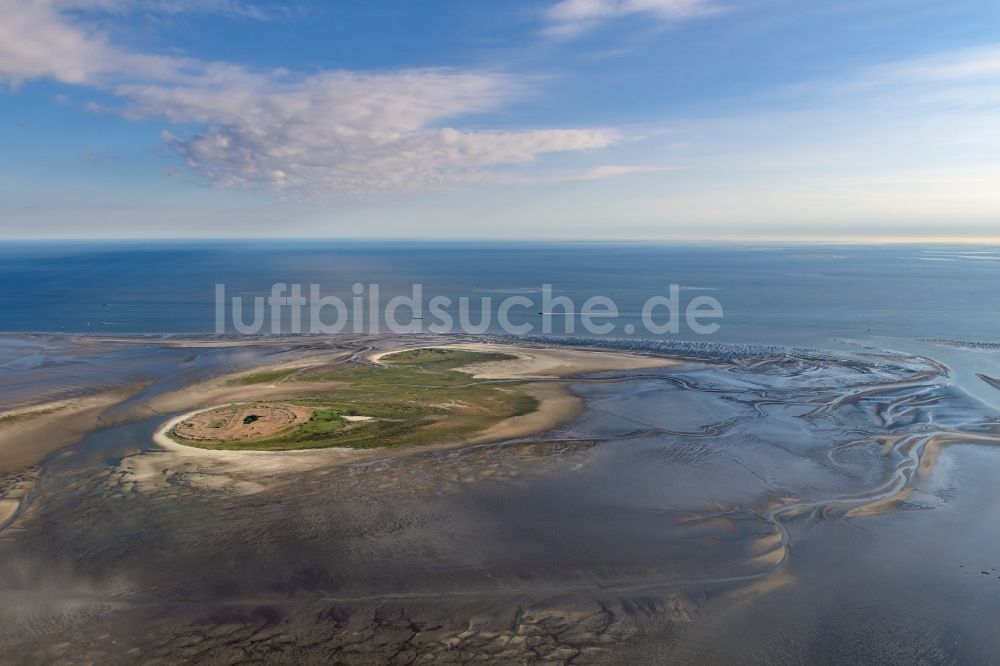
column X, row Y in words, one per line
column 696, row 510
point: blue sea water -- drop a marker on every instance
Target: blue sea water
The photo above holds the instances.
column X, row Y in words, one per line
column 771, row 294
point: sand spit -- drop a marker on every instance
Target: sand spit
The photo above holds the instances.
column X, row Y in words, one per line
column 29, row 434
column 215, row 393
column 228, row 389
column 556, row 405
column 192, row 343
column 760, row 587
column 885, row 505
column 769, row 560
column 545, row 363
column 8, row 508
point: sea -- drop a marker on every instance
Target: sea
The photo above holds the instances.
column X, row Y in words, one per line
column 791, row 295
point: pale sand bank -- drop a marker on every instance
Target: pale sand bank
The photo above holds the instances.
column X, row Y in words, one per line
column 217, row 393
column 227, row 389
column 763, row 586
column 885, row 505
column 768, row 560
column 41, row 429
column 556, row 405
column 545, row 363
column 762, row 545
column 8, row 507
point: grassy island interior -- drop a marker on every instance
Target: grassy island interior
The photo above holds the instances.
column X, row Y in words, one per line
column 413, row 397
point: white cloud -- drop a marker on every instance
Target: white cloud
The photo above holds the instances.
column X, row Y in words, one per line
column 35, row 41
column 41, row 39
column 334, row 134
column 347, row 135
column 569, row 18
column 611, row 170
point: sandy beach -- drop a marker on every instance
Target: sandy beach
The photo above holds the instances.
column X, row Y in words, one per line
column 556, row 404
column 546, row 363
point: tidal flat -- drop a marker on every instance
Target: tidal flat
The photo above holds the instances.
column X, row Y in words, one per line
column 707, row 505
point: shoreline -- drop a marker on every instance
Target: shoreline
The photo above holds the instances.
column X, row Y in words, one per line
column 543, row 362
column 48, row 427
column 41, row 429
column 556, row 404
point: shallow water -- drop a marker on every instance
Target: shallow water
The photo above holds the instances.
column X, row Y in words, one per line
column 741, row 511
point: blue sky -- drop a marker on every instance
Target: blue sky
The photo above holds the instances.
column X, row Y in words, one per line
column 563, row 119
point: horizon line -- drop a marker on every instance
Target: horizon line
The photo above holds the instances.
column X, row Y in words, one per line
column 821, row 240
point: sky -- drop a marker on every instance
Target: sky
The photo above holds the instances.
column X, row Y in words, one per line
column 854, row 120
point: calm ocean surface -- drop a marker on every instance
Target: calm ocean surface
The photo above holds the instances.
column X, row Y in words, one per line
column 771, row 294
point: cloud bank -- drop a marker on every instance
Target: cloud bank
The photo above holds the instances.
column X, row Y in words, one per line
column 330, row 135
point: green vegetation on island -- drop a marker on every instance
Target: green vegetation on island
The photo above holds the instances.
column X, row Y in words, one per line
column 412, row 398
column 265, row 376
